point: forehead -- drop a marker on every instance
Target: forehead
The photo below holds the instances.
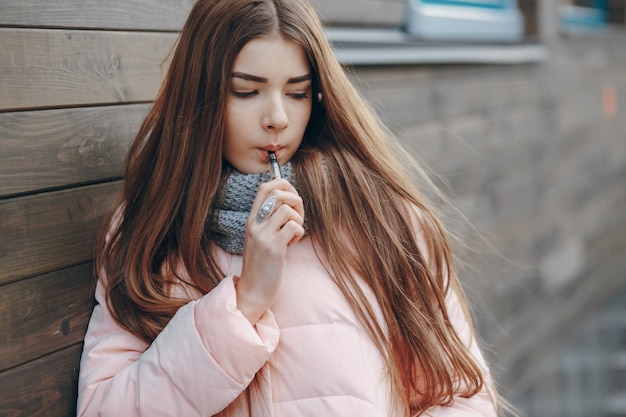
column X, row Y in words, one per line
column 272, row 58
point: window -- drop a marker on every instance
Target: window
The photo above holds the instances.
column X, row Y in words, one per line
column 466, row 20
column 584, row 13
column 592, row 14
column 497, row 32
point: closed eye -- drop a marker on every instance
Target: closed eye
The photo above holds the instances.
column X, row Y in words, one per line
column 244, row 94
column 299, row 96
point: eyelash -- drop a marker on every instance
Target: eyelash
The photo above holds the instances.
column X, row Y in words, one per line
column 250, row 94
column 246, row 94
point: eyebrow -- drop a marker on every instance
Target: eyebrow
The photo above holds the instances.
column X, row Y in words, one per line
column 257, row 79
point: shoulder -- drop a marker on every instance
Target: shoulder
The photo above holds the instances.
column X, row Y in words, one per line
column 113, row 222
column 419, row 221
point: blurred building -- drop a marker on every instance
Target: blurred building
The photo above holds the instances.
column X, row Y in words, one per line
column 518, row 109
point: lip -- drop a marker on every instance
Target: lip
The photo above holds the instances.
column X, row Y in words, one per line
column 276, row 149
column 273, row 148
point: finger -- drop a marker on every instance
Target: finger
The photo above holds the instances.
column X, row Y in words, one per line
column 282, row 215
column 265, row 210
column 283, row 184
column 290, row 199
column 278, row 184
column 268, row 200
column 289, row 233
column 285, row 226
column 296, row 230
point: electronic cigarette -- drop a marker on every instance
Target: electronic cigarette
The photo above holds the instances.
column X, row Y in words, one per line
column 274, row 167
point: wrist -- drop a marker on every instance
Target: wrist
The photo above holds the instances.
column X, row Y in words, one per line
column 249, row 302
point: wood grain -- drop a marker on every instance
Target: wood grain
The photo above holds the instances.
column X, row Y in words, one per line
column 46, row 387
column 44, row 68
column 50, row 231
column 160, row 15
column 54, row 148
column 44, row 314
column 362, row 12
column 170, row 15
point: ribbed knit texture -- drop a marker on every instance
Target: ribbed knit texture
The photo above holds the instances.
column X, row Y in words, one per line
column 234, row 207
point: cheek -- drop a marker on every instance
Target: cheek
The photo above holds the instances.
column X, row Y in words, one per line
column 231, row 130
column 228, row 116
column 235, row 114
column 233, row 124
column 303, row 116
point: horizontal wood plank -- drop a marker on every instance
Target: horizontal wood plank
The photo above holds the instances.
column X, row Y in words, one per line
column 54, row 148
column 59, row 68
column 361, row 12
column 44, row 314
column 46, row 387
column 50, row 231
column 161, row 15
column 169, row 15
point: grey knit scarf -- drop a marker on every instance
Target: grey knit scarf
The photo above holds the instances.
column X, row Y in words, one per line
column 233, row 208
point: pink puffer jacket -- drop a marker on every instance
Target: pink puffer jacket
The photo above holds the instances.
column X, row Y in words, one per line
column 310, row 355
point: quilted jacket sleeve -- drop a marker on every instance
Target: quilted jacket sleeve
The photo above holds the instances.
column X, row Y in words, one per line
column 202, row 360
column 481, row 404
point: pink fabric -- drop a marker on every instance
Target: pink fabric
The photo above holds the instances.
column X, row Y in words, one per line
column 310, row 355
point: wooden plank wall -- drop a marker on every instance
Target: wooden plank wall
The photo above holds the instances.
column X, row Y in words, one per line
column 534, row 155
column 76, row 79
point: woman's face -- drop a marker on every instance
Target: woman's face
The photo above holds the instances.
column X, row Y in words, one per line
column 269, row 104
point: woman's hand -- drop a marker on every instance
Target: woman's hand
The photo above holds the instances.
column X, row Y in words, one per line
column 265, row 247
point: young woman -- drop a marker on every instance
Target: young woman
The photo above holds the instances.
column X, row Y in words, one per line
column 330, row 291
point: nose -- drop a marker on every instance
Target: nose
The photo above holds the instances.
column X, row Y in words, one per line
column 276, row 115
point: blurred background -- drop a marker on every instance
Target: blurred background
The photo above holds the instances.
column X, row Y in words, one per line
column 517, row 109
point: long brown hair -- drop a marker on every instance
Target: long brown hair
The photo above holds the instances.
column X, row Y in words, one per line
column 173, row 173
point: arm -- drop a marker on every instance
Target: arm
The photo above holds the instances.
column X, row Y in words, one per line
column 481, row 404
column 202, row 360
